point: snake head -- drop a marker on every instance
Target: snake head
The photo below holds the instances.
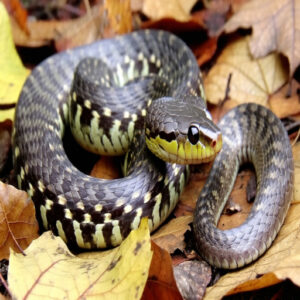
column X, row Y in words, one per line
column 182, row 132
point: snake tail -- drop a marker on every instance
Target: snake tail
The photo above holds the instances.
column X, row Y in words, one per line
column 255, row 135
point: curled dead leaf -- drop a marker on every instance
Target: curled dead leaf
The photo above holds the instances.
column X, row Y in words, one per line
column 18, row 225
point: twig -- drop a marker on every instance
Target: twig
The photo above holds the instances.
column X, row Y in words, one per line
column 3, row 281
column 297, row 138
column 227, row 91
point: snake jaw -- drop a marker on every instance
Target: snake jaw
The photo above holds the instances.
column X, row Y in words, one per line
column 182, row 151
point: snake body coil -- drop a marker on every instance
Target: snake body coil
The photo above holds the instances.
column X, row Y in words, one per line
column 91, row 213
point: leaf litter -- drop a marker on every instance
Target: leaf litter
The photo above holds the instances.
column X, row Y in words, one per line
column 269, row 84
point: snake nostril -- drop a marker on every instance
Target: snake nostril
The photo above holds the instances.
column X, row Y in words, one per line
column 213, row 143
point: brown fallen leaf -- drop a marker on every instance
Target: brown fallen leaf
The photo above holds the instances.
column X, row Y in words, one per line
column 173, row 25
column 18, row 225
column 238, row 197
column 192, row 278
column 107, row 168
column 205, row 51
column 252, row 80
column 20, row 14
column 175, row 9
column 284, row 106
column 171, row 236
column 276, row 27
column 119, row 18
column 53, row 272
column 161, row 283
column 66, row 34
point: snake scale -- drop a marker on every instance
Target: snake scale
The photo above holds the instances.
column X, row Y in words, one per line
column 147, row 77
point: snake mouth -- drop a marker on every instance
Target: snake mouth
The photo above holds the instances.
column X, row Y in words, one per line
column 185, row 153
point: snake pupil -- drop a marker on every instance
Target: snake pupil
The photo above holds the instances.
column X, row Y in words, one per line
column 193, row 135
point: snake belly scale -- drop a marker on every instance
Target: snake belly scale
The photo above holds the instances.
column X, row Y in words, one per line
column 91, row 213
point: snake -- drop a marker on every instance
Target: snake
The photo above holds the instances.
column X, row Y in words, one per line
column 141, row 95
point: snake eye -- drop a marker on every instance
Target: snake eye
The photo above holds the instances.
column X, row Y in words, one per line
column 193, row 134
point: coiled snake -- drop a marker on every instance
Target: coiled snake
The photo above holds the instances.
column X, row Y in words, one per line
column 124, row 76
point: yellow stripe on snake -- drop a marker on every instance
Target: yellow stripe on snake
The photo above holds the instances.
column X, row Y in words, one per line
column 117, row 96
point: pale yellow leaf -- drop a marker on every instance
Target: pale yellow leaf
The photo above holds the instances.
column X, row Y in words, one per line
column 50, row 271
column 176, row 9
column 276, row 27
column 253, row 80
column 12, row 71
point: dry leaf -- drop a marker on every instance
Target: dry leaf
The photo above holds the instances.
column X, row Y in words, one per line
column 171, row 236
column 238, row 198
column 52, row 272
column 215, row 16
column 15, row 8
column 67, row 34
column 276, row 26
column 192, row 278
column 107, row 168
column 284, row 106
column 253, row 80
column 175, row 9
column 161, row 283
column 205, row 51
column 18, row 225
column 13, row 73
column 119, row 18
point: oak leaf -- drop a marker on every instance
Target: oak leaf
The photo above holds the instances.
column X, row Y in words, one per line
column 18, row 225
column 252, row 80
column 276, row 27
column 12, row 71
column 53, row 272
